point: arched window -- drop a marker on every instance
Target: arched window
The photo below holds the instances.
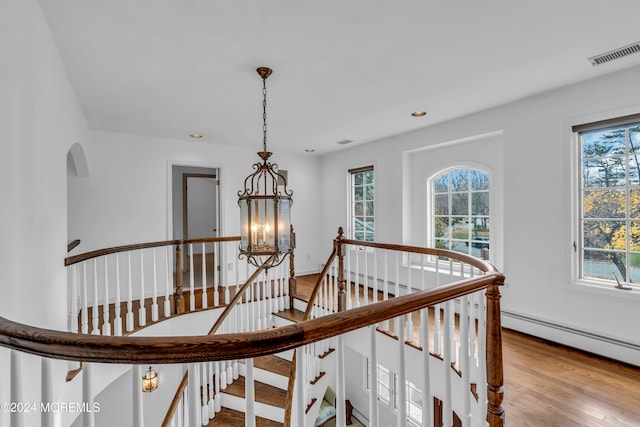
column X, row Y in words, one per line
column 460, row 214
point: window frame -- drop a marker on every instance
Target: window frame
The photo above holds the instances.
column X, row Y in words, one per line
column 578, row 278
column 352, row 202
column 430, row 197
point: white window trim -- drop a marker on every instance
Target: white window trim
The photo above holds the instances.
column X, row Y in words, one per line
column 572, row 140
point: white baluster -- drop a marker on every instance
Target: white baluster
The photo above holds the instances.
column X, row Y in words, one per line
column 250, row 395
column 463, row 357
column 154, row 298
column 348, row 279
column 341, row 410
column 73, row 303
column 88, row 419
column 299, row 388
column 167, row 287
column 357, row 278
column 373, row 378
column 204, row 279
column 204, row 409
column 142, row 312
column 16, row 419
column 385, row 295
column 117, row 321
column 448, row 359
column 365, row 284
column 137, row 405
column 106, row 321
column 46, row 395
column 194, row 395
column 375, row 275
column 216, row 384
column 129, row 316
column 216, row 277
column 402, row 377
column 427, row 418
column 192, row 298
column 94, row 309
column 409, row 337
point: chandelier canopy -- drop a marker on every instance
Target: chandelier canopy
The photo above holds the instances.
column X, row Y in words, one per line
column 265, row 204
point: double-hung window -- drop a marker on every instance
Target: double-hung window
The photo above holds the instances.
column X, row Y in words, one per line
column 362, row 216
column 608, row 244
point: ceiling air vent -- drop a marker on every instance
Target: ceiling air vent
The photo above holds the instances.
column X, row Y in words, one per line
column 615, row 54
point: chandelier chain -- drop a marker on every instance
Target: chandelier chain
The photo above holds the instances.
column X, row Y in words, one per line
column 264, row 114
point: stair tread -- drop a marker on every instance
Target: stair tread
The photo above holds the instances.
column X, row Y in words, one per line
column 231, row 418
column 291, row 314
column 274, row 364
column 265, row 393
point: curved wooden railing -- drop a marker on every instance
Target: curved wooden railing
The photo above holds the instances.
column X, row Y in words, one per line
column 151, row 350
column 248, row 344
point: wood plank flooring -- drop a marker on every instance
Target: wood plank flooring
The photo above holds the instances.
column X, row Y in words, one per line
column 229, row 418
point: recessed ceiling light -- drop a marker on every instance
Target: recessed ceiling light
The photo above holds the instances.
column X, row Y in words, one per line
column 309, row 150
column 345, row 141
column 196, row 135
column 419, row 113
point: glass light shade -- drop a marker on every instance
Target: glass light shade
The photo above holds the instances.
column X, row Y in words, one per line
column 265, row 215
column 149, row 381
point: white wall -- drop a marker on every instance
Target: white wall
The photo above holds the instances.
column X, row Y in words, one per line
column 40, row 121
column 532, row 168
column 127, row 196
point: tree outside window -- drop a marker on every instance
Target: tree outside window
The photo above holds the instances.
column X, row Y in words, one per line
column 362, row 204
column 610, row 203
column 460, row 211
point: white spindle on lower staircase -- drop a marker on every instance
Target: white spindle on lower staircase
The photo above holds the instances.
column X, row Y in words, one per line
column 46, row 396
column 88, row 419
column 137, row 409
column 15, row 388
column 341, row 394
column 194, row 395
column 373, row 378
column 402, row 374
column 249, row 395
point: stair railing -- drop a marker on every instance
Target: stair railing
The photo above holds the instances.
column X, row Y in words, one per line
column 117, row 290
column 459, row 335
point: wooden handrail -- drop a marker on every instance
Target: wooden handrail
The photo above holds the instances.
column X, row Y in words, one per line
column 189, row 349
column 101, row 252
column 73, row 244
column 176, row 400
column 458, row 256
column 239, row 295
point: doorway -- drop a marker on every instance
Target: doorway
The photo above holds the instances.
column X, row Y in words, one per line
column 196, row 208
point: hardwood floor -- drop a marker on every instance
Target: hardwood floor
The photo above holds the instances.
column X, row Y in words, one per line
column 547, row 384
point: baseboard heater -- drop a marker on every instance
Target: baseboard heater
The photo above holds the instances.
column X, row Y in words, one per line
column 571, row 330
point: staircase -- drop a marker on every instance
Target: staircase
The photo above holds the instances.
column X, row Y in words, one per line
column 271, row 374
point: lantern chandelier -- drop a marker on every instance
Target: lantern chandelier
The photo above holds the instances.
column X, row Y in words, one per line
column 265, row 205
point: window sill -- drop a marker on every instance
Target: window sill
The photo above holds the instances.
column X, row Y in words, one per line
column 602, row 288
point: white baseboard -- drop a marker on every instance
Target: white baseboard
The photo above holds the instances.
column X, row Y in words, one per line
column 612, row 348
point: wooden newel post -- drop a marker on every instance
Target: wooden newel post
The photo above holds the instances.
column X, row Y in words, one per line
column 342, row 291
column 495, row 377
column 179, row 297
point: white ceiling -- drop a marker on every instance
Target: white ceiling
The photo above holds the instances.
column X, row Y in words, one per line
column 343, row 69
